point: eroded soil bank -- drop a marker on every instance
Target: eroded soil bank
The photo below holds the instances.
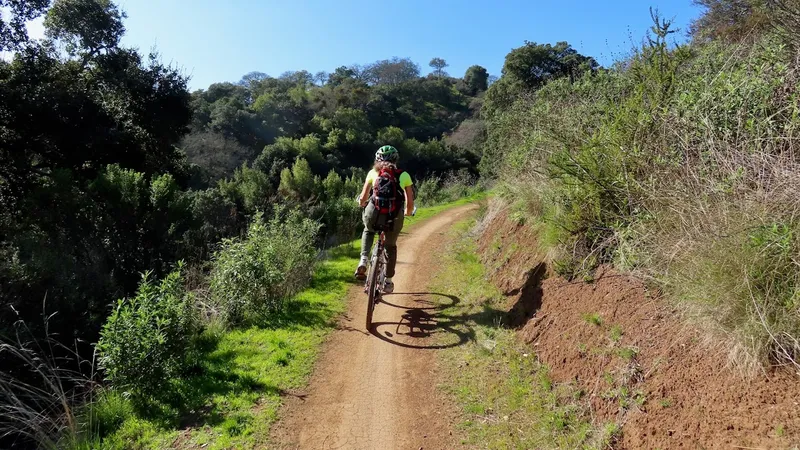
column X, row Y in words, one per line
column 627, row 349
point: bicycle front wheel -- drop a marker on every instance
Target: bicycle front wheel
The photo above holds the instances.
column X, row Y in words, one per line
column 373, row 291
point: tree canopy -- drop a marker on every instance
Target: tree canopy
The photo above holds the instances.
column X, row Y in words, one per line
column 529, row 67
column 438, row 65
column 476, row 79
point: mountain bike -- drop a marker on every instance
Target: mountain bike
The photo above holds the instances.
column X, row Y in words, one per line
column 376, row 274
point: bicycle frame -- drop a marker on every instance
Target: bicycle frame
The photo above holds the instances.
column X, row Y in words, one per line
column 376, row 275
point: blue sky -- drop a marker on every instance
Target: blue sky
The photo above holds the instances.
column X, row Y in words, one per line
column 214, row 40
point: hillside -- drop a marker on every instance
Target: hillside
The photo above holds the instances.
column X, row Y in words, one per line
column 679, row 166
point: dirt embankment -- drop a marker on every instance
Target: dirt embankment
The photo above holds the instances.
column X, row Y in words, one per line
column 635, row 361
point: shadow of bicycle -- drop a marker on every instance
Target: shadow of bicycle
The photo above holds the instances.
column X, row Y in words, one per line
column 423, row 325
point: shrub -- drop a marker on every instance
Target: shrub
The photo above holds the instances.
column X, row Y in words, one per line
column 342, row 219
column 436, row 190
column 147, row 338
column 256, row 274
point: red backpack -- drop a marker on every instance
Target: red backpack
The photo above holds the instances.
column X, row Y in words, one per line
column 387, row 196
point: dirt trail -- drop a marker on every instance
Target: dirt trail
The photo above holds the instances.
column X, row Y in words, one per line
column 378, row 390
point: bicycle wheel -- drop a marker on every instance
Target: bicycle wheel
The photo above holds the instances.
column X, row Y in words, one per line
column 373, row 290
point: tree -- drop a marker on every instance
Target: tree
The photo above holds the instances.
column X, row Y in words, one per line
column 438, row 65
column 215, row 156
column 341, row 74
column 88, row 136
column 86, row 26
column 476, row 79
column 390, row 136
column 299, row 182
column 298, row 77
column 321, row 78
column 533, row 64
column 333, row 185
column 392, row 71
column 252, row 77
column 529, row 67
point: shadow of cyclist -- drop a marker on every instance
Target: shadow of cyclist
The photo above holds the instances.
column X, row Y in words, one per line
column 424, row 324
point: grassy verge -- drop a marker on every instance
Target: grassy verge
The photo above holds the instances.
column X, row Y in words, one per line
column 506, row 396
column 430, row 211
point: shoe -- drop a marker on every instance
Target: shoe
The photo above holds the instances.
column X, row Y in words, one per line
column 388, row 286
column 361, row 271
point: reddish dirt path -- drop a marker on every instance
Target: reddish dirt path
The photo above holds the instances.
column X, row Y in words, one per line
column 378, row 390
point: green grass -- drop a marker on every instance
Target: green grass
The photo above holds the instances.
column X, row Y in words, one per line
column 627, row 353
column 507, row 398
column 426, row 212
column 616, row 333
column 593, row 319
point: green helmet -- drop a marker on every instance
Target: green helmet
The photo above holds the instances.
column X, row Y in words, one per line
column 387, row 153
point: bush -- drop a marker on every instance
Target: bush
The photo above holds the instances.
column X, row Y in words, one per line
column 147, row 338
column 256, row 274
column 341, row 219
column 436, row 190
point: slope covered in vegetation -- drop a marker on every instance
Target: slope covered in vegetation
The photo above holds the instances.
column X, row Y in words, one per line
column 678, row 164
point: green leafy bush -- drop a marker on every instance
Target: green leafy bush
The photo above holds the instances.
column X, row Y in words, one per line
column 341, row 218
column 256, row 274
column 148, row 338
column 437, row 190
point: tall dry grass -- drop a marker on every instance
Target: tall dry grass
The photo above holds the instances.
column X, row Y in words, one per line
column 40, row 400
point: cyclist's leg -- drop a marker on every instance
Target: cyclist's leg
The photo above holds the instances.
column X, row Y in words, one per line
column 367, row 238
column 391, row 245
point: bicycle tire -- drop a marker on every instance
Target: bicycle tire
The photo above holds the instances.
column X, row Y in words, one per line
column 373, row 291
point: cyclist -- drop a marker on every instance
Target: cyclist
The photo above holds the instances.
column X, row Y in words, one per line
column 385, row 158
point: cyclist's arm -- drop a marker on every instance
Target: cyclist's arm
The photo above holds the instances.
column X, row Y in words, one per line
column 409, row 200
column 362, row 199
